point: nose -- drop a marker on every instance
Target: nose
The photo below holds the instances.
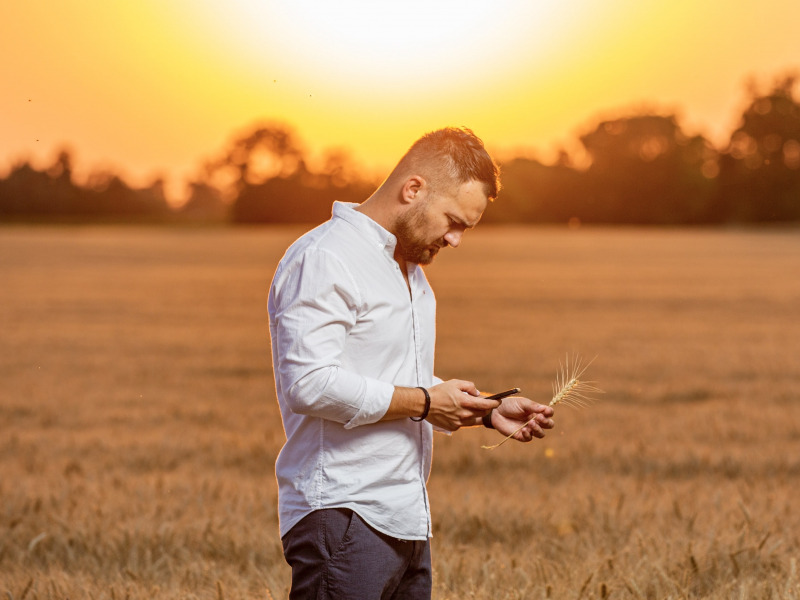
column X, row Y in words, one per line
column 453, row 238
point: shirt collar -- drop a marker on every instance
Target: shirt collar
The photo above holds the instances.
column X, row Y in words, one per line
column 365, row 225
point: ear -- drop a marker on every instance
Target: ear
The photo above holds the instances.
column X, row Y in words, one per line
column 412, row 188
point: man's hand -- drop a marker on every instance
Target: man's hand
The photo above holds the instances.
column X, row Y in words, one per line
column 457, row 403
column 515, row 412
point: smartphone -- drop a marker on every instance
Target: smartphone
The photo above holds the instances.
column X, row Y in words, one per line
column 501, row 395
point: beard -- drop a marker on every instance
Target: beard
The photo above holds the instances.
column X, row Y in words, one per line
column 411, row 246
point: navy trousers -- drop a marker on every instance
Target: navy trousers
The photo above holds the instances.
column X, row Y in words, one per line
column 334, row 554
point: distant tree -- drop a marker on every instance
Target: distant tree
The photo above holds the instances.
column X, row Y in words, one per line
column 253, row 157
column 265, row 174
column 31, row 193
column 339, row 169
column 108, row 196
column 51, row 194
column 535, row 192
column 204, row 204
column 61, row 169
column 302, row 197
column 645, row 169
column 760, row 168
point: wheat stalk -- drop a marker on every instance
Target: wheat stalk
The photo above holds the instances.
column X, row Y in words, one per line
column 568, row 389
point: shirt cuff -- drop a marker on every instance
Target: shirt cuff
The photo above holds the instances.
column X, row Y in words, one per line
column 377, row 398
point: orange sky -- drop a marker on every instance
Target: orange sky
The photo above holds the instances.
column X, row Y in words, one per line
column 148, row 87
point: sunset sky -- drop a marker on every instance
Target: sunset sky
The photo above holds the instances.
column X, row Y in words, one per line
column 155, row 87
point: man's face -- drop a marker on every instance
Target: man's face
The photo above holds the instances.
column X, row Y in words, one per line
column 439, row 219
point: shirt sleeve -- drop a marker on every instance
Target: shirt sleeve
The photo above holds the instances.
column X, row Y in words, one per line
column 313, row 304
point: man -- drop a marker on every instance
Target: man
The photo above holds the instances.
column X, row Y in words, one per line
column 352, row 322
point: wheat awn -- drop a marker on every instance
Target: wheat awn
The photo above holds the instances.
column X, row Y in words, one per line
column 568, row 389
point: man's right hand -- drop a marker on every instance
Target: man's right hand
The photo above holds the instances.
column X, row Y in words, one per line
column 457, row 403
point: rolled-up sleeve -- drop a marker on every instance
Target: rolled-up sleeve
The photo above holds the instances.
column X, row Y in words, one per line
column 314, row 302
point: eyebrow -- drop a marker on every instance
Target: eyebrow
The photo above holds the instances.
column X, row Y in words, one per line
column 461, row 221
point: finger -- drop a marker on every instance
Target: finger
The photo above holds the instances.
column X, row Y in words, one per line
column 534, row 432
column 544, row 422
column 543, row 409
column 524, row 435
column 534, row 429
column 536, row 418
column 468, row 387
column 480, row 403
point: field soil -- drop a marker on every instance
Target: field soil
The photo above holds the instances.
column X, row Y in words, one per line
column 139, row 427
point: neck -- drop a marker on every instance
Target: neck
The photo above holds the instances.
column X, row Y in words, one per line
column 403, row 268
column 402, row 262
column 381, row 208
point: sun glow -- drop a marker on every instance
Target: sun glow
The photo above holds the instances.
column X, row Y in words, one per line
column 390, row 70
column 152, row 87
column 391, row 47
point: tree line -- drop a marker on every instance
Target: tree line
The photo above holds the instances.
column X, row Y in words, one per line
column 642, row 169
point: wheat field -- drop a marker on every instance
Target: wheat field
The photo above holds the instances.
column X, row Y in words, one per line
column 138, row 424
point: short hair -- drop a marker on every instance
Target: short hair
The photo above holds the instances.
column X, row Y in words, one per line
column 453, row 153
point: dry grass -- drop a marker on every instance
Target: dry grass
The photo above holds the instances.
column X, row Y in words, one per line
column 138, row 425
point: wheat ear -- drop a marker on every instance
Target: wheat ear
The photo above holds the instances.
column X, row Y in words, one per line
column 568, row 389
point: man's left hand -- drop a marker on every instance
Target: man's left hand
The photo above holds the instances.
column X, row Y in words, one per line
column 517, row 411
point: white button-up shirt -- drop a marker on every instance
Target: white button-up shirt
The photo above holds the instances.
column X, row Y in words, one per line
column 345, row 330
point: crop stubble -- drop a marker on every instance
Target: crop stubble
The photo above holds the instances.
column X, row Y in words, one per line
column 138, row 426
